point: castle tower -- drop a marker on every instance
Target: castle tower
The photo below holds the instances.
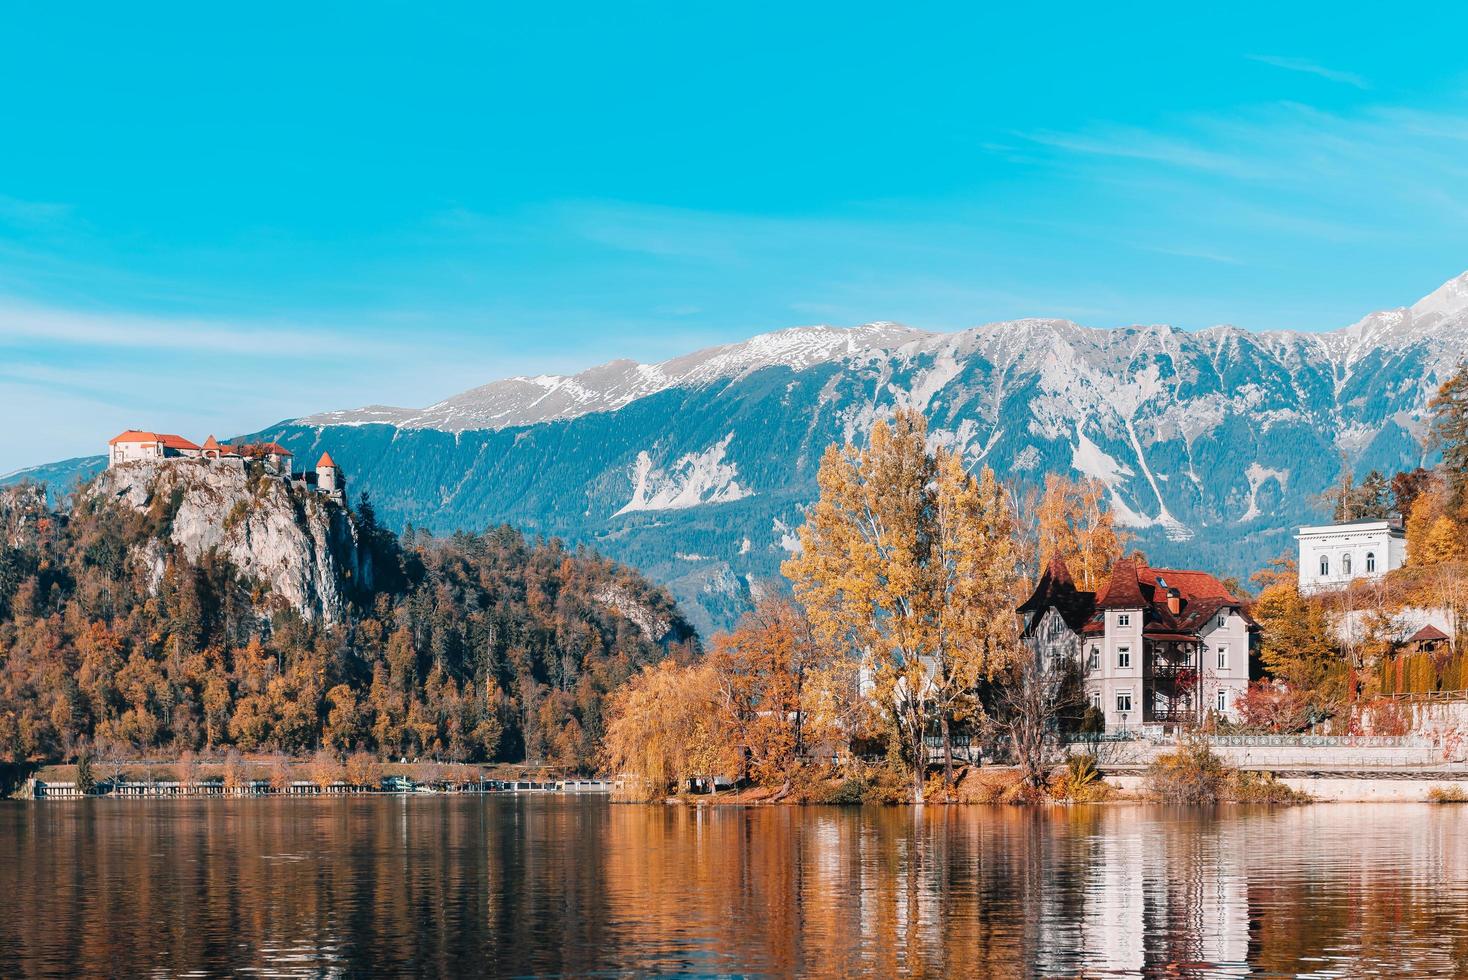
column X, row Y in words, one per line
column 211, row 448
column 328, row 478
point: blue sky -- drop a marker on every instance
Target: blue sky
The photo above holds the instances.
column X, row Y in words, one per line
column 214, row 218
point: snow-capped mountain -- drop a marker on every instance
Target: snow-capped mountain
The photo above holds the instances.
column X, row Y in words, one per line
column 524, row 401
column 1213, row 444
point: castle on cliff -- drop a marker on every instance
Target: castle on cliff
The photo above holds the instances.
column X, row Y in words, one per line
column 136, row 445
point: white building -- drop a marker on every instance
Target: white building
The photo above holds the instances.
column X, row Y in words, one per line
column 136, row 444
column 1333, row 555
column 1155, row 646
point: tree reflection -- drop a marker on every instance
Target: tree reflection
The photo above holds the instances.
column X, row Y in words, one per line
column 461, row 886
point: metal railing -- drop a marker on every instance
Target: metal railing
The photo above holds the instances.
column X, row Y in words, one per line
column 1322, row 741
column 1429, row 696
column 1261, row 741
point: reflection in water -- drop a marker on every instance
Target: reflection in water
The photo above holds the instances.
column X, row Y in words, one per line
column 463, row 886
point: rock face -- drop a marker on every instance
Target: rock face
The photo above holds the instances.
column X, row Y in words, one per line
column 302, row 544
column 654, row 626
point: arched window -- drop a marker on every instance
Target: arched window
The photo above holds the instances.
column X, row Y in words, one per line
column 1324, row 565
column 1370, row 561
column 1345, row 564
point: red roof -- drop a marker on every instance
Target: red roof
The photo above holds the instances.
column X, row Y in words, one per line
column 212, row 443
column 133, row 435
column 168, row 439
column 1121, row 590
column 1133, row 584
column 274, row 448
column 1427, row 634
column 325, row 460
column 1192, row 585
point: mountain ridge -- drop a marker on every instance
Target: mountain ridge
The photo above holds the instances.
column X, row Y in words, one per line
column 492, row 405
column 1213, row 444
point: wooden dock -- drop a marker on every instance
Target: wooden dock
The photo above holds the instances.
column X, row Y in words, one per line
column 37, row 789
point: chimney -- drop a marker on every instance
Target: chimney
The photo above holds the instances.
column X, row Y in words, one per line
column 1174, row 601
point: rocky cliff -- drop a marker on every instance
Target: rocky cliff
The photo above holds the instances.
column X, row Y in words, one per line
column 303, row 545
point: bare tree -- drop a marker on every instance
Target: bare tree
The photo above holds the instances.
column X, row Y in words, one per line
column 1028, row 709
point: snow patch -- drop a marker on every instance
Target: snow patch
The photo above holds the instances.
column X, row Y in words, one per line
column 787, row 537
column 1092, row 460
column 1257, row 476
column 696, row 478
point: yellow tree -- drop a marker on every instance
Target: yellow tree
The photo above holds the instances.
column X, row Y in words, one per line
column 906, row 559
column 861, row 570
column 1075, row 525
column 663, row 728
column 1297, row 647
column 975, row 576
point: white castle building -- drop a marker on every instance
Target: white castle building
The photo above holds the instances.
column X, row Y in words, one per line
column 1333, row 555
column 136, row 445
column 1155, row 646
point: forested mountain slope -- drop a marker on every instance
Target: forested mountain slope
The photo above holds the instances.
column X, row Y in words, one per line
column 280, row 619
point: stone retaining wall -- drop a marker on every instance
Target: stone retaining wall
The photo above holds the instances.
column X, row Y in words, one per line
column 1330, row 789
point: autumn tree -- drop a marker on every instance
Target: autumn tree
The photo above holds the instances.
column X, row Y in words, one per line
column 903, row 558
column 1297, row 646
column 1075, row 525
column 664, row 730
column 761, row 669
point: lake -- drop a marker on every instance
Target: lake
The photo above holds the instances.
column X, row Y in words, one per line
column 456, row 886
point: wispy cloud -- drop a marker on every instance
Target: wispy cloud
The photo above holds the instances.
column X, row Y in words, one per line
column 1139, row 144
column 1311, row 68
column 27, row 324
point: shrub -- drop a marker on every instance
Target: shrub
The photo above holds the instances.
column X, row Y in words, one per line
column 234, row 769
column 364, row 770
column 1001, row 785
column 1191, row 775
column 325, row 769
column 886, row 785
column 1447, row 794
column 86, row 778
column 851, row 791
column 1261, row 787
column 1079, row 781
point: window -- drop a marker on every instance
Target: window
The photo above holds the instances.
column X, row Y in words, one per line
column 1222, row 701
column 1093, row 662
column 1123, row 619
column 1223, row 657
column 1123, row 700
column 1370, row 562
column 1096, row 700
column 1345, row 564
column 1222, row 620
column 1123, row 657
column 1324, row 565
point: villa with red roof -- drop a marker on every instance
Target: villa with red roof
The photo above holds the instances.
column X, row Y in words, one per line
column 138, row 445
column 1153, row 647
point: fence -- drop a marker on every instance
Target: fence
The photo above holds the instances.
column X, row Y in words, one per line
column 1428, row 696
column 1264, row 741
